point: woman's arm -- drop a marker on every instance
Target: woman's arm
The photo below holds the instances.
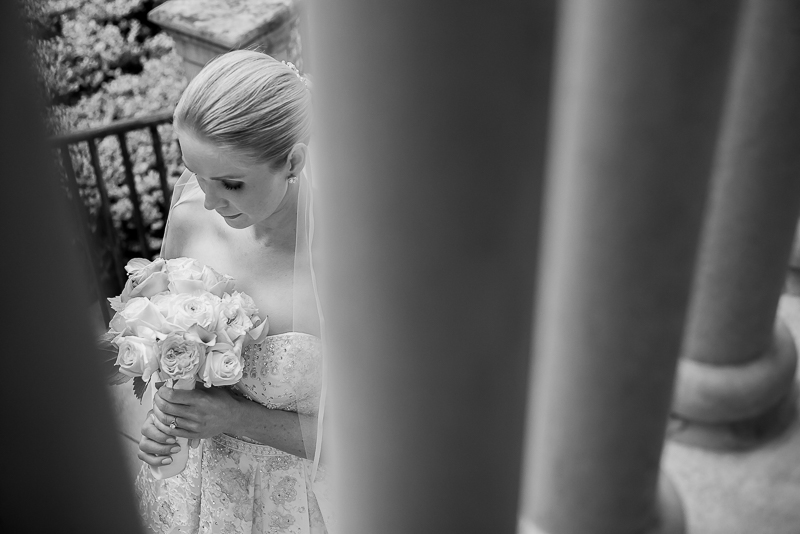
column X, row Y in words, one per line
column 206, row 412
column 276, row 428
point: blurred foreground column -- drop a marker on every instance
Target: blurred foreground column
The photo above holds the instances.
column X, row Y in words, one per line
column 737, row 372
column 639, row 86
column 63, row 470
column 432, row 120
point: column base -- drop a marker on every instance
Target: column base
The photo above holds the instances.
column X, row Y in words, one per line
column 670, row 518
column 738, row 435
column 735, row 407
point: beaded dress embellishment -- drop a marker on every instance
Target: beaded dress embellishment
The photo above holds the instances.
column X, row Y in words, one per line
column 283, row 372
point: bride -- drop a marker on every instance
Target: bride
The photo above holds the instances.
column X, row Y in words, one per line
column 243, row 207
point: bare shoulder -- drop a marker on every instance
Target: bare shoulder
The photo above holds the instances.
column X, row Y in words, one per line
column 188, row 221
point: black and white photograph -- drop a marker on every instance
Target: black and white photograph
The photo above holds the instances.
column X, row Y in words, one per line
column 400, row 266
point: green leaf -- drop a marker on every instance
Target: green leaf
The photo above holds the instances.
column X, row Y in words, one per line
column 139, row 387
column 118, row 379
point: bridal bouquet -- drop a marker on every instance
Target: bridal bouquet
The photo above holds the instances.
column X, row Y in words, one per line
column 180, row 322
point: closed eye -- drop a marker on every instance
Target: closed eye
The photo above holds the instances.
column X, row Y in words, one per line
column 232, row 187
column 229, row 186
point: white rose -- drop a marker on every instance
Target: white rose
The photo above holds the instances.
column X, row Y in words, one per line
column 162, row 302
column 245, row 302
column 139, row 313
column 185, row 275
column 216, row 283
column 153, row 284
column 188, row 275
column 185, row 310
column 223, row 366
column 180, row 358
column 210, row 277
column 137, row 356
column 238, row 315
column 235, row 326
column 184, row 269
column 139, row 269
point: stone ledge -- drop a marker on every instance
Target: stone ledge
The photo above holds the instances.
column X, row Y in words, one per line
column 226, row 24
column 741, row 435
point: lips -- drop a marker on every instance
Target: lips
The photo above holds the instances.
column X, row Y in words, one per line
column 230, row 216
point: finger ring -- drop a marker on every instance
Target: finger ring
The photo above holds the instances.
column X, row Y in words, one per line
column 174, row 424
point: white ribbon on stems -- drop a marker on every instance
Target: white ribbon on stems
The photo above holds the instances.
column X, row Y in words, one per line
column 180, row 458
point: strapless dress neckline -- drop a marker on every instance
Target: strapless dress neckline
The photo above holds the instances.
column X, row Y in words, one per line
column 291, row 332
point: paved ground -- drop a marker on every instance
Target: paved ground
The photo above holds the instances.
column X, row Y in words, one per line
column 755, row 492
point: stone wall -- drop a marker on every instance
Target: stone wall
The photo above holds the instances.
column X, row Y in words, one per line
column 203, row 29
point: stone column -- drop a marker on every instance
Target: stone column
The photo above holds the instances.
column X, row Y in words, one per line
column 204, row 29
column 429, row 159
column 639, row 86
column 738, row 363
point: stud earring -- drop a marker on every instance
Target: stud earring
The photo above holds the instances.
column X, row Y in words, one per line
column 292, row 178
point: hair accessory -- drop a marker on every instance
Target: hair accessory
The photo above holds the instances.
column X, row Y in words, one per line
column 292, row 178
column 296, row 72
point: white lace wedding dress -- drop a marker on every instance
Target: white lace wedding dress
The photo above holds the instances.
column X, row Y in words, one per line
column 233, row 485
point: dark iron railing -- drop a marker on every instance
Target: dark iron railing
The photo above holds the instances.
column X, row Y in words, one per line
column 87, row 239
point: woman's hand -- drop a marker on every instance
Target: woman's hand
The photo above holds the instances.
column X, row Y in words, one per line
column 195, row 413
column 156, row 446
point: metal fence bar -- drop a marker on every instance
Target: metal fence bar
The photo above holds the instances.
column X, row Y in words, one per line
column 114, row 128
column 133, row 194
column 162, row 170
column 106, row 209
column 91, row 137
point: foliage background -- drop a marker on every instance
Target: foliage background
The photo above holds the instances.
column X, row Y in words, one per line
column 99, row 61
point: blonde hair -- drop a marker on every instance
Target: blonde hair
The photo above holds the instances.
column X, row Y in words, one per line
column 249, row 103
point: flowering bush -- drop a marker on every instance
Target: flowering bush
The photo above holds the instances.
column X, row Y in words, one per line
column 100, row 61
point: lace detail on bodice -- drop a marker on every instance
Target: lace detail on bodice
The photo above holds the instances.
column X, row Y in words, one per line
column 283, row 372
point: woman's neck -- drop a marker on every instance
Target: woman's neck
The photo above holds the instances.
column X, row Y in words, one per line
column 280, row 227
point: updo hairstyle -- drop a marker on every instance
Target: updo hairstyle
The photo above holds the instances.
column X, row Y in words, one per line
column 248, row 103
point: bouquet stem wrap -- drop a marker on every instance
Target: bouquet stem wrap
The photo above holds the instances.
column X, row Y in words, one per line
column 179, row 459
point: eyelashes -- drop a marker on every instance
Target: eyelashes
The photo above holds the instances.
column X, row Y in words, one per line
column 226, row 185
